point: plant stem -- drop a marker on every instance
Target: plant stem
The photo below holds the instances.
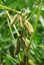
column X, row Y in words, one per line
column 5, row 40
column 7, row 8
column 11, row 30
column 12, row 58
column 2, row 25
column 32, row 14
column 36, row 23
column 34, row 11
column 9, row 57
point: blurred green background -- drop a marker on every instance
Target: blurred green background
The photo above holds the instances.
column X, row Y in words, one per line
column 7, row 43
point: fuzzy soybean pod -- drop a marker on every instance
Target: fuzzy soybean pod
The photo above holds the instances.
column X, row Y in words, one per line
column 17, row 47
column 29, row 26
column 13, row 20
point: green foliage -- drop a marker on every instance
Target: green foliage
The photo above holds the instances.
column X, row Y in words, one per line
column 17, row 45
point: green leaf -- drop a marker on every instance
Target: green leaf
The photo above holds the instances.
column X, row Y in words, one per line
column 8, row 61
